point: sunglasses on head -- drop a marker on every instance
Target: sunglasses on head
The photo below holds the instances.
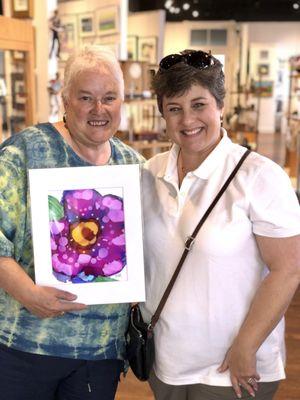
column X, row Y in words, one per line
column 195, row 58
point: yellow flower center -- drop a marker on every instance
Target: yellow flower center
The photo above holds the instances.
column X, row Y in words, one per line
column 85, row 233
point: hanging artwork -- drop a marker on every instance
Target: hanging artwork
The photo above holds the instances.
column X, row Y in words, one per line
column 147, row 49
column 86, row 24
column 87, row 236
column 68, row 36
column 107, row 20
column 262, row 88
column 22, row 8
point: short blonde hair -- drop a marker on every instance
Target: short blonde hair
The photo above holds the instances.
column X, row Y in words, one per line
column 91, row 57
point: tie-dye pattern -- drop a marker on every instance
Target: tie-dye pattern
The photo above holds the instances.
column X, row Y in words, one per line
column 95, row 333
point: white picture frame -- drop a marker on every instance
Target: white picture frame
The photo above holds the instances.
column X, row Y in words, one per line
column 110, row 227
column 107, row 20
column 147, row 49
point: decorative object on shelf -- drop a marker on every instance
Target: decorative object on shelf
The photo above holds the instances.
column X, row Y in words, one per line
column 69, row 36
column 18, row 56
column 147, row 49
column 132, row 47
column 263, row 69
column 18, row 91
column 107, row 20
column 22, row 8
column 262, row 88
column 136, row 78
column 86, row 24
column 295, row 63
column 87, row 232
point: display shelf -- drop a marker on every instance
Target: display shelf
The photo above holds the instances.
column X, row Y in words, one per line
column 292, row 161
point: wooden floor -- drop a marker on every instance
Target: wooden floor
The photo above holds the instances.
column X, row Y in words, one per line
column 131, row 389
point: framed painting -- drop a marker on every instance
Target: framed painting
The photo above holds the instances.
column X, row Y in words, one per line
column 68, row 35
column 132, row 47
column 107, row 20
column 22, row 8
column 263, row 69
column 111, row 42
column 86, row 25
column 263, row 88
column 147, row 49
column 88, row 40
column 87, row 232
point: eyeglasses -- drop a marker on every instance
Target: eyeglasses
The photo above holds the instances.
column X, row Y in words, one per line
column 196, row 58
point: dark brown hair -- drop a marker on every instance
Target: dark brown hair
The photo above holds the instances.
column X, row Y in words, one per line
column 179, row 78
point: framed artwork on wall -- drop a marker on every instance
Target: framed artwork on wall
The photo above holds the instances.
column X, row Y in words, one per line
column 86, row 25
column 111, row 42
column 87, row 232
column 147, row 49
column 132, row 47
column 68, row 36
column 263, row 69
column 107, row 20
column 264, row 54
column 87, row 40
column 263, row 88
column 22, row 8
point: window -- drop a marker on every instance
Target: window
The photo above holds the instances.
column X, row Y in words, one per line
column 199, row 37
column 208, row 37
column 218, row 37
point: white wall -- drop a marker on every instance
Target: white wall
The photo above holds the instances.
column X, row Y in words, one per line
column 177, row 38
column 149, row 23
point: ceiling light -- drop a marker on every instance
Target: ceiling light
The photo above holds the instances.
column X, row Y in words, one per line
column 186, row 6
column 195, row 13
column 172, row 10
column 176, row 10
column 296, row 6
column 168, row 3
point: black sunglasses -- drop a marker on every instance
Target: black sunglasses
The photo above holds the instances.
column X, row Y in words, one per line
column 196, row 58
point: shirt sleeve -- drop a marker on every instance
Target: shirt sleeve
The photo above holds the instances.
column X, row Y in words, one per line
column 274, row 207
column 12, row 209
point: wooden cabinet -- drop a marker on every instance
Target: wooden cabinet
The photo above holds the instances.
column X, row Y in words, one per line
column 17, row 103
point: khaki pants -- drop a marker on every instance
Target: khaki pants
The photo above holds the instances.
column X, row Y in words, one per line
column 163, row 391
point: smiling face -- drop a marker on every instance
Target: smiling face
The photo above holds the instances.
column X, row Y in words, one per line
column 193, row 121
column 93, row 107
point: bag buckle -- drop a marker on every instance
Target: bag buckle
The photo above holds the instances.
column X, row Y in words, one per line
column 189, row 243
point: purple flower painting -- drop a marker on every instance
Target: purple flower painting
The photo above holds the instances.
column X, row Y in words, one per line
column 87, row 236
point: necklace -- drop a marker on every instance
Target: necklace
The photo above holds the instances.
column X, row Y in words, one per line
column 181, row 170
column 180, row 165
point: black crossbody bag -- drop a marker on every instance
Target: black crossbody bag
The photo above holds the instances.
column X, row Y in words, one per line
column 140, row 336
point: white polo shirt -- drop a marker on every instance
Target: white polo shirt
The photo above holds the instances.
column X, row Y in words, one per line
column 221, row 274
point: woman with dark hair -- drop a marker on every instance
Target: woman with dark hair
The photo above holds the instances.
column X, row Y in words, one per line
column 221, row 332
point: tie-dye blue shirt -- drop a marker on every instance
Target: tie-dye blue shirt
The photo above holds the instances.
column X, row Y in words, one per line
column 94, row 333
